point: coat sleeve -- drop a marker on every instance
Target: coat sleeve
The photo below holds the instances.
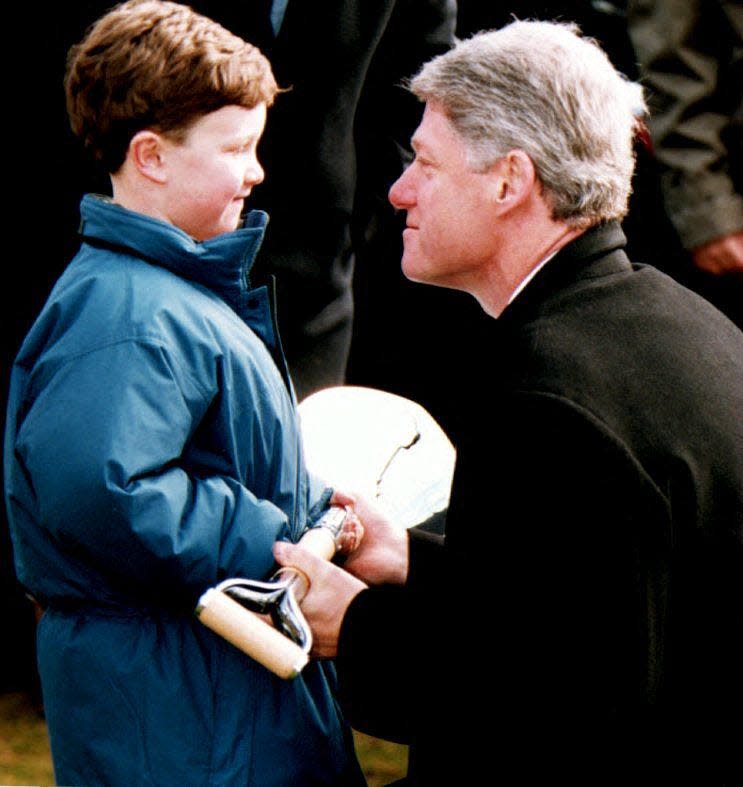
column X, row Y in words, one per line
column 533, row 604
column 386, row 646
column 103, row 443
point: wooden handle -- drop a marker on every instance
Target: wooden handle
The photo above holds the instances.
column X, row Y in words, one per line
column 319, row 541
column 251, row 634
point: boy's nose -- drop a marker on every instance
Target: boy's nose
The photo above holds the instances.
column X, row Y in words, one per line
column 254, row 174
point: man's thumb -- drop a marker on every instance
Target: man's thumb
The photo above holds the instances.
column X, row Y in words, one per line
column 292, row 555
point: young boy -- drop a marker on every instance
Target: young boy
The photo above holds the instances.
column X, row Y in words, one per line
column 152, row 445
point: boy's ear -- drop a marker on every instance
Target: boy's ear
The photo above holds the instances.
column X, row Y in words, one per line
column 146, row 153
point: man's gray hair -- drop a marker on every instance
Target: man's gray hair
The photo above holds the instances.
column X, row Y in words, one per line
column 542, row 88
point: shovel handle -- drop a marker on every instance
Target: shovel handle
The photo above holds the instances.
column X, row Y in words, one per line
column 251, row 633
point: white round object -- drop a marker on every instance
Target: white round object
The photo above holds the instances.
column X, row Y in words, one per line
column 383, row 446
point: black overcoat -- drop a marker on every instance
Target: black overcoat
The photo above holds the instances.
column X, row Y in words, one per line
column 582, row 623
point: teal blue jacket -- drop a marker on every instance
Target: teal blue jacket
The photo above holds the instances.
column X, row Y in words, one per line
column 152, row 449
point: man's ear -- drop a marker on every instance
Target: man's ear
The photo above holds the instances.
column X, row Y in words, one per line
column 146, row 151
column 514, row 179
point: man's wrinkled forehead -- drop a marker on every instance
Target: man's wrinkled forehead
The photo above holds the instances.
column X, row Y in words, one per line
column 434, row 126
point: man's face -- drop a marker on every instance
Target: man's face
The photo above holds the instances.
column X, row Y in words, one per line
column 449, row 237
column 213, row 170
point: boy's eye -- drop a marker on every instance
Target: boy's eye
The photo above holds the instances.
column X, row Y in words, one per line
column 245, row 147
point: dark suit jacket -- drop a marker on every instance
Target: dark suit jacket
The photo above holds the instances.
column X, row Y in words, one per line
column 583, row 622
column 333, row 146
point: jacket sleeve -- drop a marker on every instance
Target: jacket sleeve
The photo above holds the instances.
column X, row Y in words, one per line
column 387, row 650
column 103, row 442
column 531, row 603
column 690, row 58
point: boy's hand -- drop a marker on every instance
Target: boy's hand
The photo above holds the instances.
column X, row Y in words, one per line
column 351, row 535
column 382, row 555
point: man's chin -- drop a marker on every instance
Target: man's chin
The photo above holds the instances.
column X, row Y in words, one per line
column 421, row 275
column 416, row 270
column 411, row 270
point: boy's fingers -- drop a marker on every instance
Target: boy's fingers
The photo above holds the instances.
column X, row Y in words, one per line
column 343, row 498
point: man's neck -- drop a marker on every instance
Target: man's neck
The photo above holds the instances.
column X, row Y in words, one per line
column 524, row 251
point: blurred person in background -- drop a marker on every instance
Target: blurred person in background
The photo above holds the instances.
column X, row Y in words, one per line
column 691, row 57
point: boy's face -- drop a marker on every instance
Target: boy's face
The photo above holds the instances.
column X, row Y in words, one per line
column 213, row 170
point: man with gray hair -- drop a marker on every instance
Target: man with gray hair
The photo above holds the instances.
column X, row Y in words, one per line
column 582, row 621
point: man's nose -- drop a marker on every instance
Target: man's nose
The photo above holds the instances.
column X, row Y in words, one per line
column 401, row 193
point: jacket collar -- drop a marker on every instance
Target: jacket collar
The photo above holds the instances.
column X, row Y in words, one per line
column 221, row 263
column 597, row 252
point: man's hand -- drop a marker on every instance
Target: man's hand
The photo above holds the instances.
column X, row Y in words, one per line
column 382, row 556
column 330, row 592
column 721, row 256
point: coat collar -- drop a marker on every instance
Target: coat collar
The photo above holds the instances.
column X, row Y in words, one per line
column 597, row 252
column 221, row 263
